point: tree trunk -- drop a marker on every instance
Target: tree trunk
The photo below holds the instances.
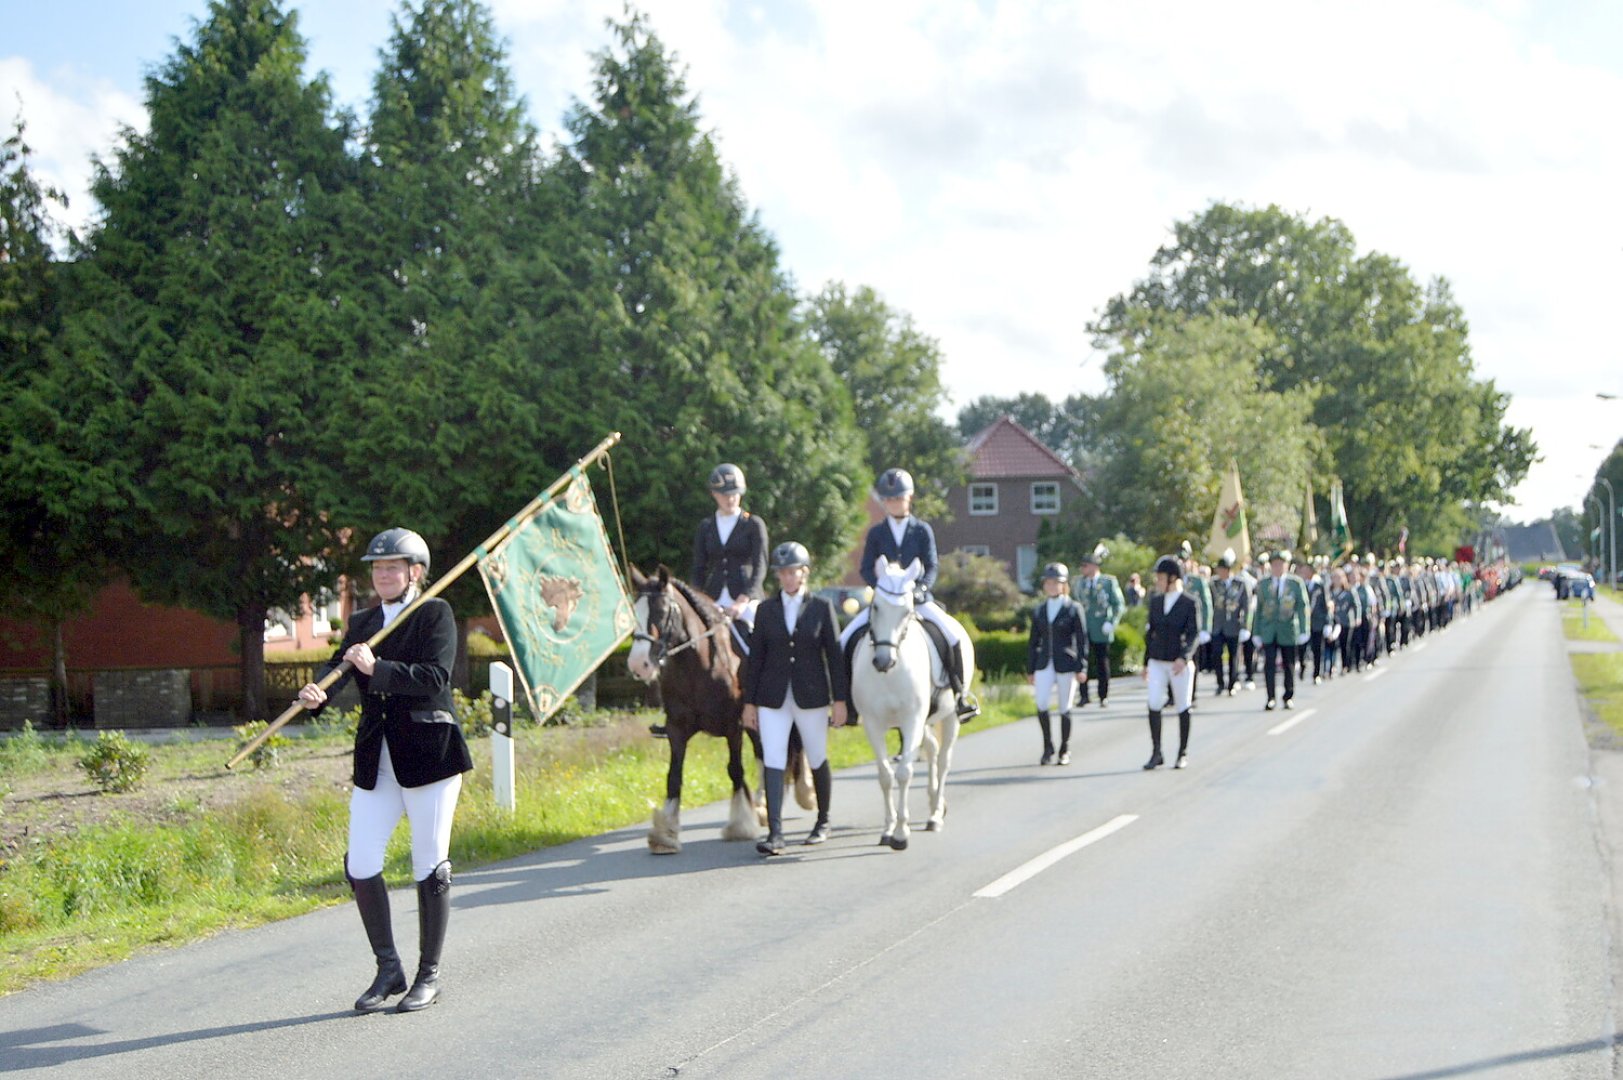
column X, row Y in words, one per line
column 251, row 627
column 59, row 676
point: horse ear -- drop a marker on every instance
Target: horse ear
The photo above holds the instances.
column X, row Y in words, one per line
column 664, row 576
column 637, row 578
column 882, row 567
column 914, row 571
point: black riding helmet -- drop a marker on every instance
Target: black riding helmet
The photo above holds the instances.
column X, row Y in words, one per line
column 790, row 554
column 893, row 484
column 398, row 543
column 727, row 479
column 1169, row 565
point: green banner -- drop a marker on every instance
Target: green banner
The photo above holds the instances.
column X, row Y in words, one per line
column 557, row 596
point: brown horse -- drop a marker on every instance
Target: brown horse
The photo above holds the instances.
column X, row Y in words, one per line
column 682, row 640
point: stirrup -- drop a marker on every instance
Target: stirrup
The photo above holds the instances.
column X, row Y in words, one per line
column 968, row 706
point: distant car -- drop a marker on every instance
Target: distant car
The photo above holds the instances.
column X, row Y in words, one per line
column 848, row 600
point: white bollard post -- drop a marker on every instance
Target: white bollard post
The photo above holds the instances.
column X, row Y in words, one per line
column 501, row 737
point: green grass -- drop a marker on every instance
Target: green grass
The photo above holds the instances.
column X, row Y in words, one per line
column 1572, row 623
column 106, row 892
column 1600, row 680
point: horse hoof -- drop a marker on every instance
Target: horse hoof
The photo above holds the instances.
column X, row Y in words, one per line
column 884, row 841
column 932, row 826
column 898, row 843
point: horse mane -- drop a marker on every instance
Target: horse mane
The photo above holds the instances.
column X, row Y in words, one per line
column 708, row 611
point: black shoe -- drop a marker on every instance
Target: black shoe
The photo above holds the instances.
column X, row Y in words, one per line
column 1155, row 761
column 1064, row 758
column 1103, row 702
column 1047, row 758
column 1182, row 762
column 772, row 845
column 968, row 707
column 818, row 835
column 658, row 731
column 1271, row 706
column 1233, row 691
column 1288, row 704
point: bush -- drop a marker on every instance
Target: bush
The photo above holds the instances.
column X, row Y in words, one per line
column 115, row 764
column 268, row 754
column 1127, row 650
column 975, row 585
column 475, row 714
column 1000, row 653
column 24, row 752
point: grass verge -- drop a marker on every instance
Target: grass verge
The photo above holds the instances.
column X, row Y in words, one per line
column 1600, row 680
column 102, row 894
column 1579, row 623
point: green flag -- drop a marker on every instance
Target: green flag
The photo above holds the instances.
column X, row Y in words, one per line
column 557, row 595
column 1340, row 533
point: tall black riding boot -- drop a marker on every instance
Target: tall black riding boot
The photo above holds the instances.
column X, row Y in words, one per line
column 968, row 708
column 850, row 650
column 1064, row 738
column 1156, row 760
column 433, row 916
column 773, row 782
column 1183, row 740
column 823, row 784
column 372, row 900
column 1048, row 738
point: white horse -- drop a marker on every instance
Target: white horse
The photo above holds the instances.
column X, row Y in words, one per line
column 897, row 681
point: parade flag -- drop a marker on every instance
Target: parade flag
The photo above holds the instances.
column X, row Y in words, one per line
column 557, row 595
column 1229, row 528
column 1310, row 521
column 1340, row 534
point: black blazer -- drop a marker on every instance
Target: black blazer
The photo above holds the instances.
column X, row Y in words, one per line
column 810, row 659
column 739, row 565
column 406, row 701
column 1065, row 641
column 918, row 542
column 1172, row 634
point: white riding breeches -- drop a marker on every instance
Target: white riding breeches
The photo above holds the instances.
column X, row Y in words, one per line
column 1162, row 678
column 775, row 725
column 1057, row 686
column 374, row 814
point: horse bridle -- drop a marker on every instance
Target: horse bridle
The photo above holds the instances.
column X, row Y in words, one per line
column 901, row 630
column 658, row 650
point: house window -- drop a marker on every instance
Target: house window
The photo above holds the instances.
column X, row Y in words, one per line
column 975, row 549
column 1025, row 566
column 323, row 609
column 1045, row 497
column 983, row 499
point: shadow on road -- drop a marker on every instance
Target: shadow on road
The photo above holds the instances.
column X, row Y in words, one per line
column 1590, row 1047
column 24, row 1050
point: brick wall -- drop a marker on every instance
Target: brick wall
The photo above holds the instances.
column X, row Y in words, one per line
column 24, row 699
column 143, row 699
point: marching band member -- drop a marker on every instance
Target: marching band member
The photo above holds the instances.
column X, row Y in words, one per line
column 1104, row 605
column 1281, row 624
column 409, row 759
column 793, row 673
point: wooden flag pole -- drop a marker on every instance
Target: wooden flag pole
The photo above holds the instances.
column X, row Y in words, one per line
column 344, row 668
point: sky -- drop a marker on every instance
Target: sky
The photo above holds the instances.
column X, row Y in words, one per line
column 998, row 170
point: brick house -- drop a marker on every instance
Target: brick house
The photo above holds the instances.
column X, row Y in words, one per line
column 1015, row 484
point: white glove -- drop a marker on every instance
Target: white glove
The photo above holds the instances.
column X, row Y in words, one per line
column 1301, row 639
column 1245, row 635
column 1205, row 636
column 1109, row 628
column 1334, row 633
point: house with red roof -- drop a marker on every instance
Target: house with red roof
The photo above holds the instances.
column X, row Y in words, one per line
column 1015, row 483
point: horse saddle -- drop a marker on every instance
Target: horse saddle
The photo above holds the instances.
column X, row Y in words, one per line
column 939, row 654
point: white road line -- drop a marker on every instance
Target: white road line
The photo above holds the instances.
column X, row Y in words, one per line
column 1292, row 722
column 1376, row 674
column 1031, row 869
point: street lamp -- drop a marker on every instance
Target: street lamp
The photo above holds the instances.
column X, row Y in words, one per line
column 1599, row 513
column 1611, row 525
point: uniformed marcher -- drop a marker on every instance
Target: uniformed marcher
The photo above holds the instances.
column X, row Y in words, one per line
column 901, row 538
column 1103, row 604
column 1369, row 600
column 794, row 677
column 409, row 759
column 1348, row 614
column 1320, row 618
column 1281, row 624
column 1057, row 658
column 1171, row 637
column 1200, row 591
column 1232, row 607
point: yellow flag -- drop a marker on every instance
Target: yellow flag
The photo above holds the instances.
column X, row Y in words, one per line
column 1229, row 528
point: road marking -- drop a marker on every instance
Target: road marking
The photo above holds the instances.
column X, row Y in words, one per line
column 1292, row 722
column 1376, row 674
column 1031, row 869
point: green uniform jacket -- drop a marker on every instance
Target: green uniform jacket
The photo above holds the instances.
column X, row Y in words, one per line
column 1281, row 619
column 1102, row 602
column 1200, row 590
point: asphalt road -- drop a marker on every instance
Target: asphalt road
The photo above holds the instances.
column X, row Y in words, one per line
column 1408, row 881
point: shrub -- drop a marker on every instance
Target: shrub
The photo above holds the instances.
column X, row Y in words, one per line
column 24, row 752
column 1127, row 650
column 114, row 763
column 975, row 585
column 474, row 714
column 268, row 754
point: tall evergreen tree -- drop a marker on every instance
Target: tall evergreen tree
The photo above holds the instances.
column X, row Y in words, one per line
column 894, row 375
column 216, row 328
column 681, row 331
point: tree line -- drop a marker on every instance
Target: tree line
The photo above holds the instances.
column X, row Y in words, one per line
column 289, row 326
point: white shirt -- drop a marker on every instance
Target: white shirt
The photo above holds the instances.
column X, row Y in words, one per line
column 725, row 523
column 898, row 526
column 392, row 610
column 791, row 609
column 1053, row 607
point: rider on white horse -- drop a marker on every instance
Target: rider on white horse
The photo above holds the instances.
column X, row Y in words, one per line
column 901, row 538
